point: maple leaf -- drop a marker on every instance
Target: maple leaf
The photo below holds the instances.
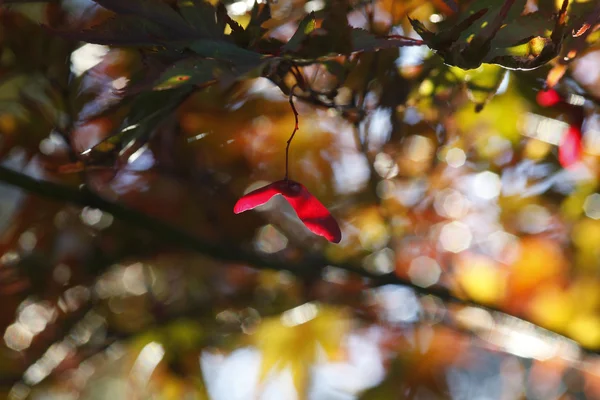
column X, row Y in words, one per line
column 309, row 209
column 293, row 339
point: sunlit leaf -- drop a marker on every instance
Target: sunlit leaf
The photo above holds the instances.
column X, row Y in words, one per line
column 483, row 83
column 189, row 71
column 481, row 279
column 501, row 117
column 537, row 260
column 292, row 340
column 552, row 307
column 585, row 329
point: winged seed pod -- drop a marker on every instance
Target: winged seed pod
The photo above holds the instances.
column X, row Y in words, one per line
column 309, row 209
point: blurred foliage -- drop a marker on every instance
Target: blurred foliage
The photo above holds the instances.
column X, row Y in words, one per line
column 469, row 265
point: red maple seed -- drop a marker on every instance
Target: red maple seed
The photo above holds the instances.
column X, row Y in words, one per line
column 570, row 148
column 548, row 98
column 311, row 212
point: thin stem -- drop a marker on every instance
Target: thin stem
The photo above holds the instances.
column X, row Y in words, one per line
column 300, row 81
column 287, row 147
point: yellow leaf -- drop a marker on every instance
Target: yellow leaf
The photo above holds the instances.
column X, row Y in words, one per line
column 291, row 341
column 586, row 234
column 584, row 292
column 539, row 260
column 537, row 149
column 481, row 279
column 500, row 117
column 586, row 330
column 184, row 334
column 552, row 307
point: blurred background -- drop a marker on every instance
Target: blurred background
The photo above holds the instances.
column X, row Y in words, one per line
column 469, row 266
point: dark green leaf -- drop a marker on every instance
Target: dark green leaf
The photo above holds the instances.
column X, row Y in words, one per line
column 254, row 31
column 227, row 51
column 126, row 30
column 364, row 40
column 493, row 7
column 201, row 16
column 152, row 10
column 443, row 40
column 260, row 14
column 337, row 29
column 523, row 28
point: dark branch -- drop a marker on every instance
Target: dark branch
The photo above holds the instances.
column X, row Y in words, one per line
column 306, row 267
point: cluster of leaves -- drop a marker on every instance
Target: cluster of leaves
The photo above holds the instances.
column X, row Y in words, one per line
column 183, row 47
column 499, row 33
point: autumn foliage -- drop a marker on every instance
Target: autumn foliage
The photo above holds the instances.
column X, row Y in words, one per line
column 298, row 199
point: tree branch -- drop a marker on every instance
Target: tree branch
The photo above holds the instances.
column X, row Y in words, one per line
column 306, row 267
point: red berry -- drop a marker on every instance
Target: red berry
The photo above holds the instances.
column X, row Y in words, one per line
column 548, row 98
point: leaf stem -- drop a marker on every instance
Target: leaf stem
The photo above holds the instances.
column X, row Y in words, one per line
column 289, row 141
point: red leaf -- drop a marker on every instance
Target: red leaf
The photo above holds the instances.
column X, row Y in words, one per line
column 548, row 98
column 570, row 149
column 311, row 212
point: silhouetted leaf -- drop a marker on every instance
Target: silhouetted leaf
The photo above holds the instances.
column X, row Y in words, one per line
column 522, row 29
column 226, row 51
column 494, row 7
column 202, row 17
column 153, row 10
column 261, row 13
column 337, row 30
column 147, row 111
column 126, row 30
